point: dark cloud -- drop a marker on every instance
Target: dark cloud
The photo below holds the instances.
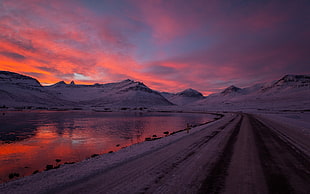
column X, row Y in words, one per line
column 20, row 43
column 48, row 69
column 12, row 55
column 161, row 70
column 34, row 74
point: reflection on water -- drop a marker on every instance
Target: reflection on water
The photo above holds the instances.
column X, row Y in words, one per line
column 31, row 140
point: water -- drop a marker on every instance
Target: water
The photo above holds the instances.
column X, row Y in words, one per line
column 31, row 140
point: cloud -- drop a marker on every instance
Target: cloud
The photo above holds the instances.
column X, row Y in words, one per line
column 81, row 77
column 173, row 44
column 162, row 70
column 34, row 74
column 20, row 43
column 12, row 55
column 48, row 69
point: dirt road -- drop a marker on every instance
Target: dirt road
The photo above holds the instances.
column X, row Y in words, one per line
column 239, row 154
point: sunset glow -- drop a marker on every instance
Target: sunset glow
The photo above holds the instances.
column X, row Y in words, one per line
column 169, row 45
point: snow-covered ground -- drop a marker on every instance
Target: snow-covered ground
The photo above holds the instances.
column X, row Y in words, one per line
column 298, row 120
column 186, row 159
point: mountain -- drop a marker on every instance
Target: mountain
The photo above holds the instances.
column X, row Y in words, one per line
column 289, row 82
column 7, row 77
column 185, row 97
column 63, row 84
column 190, row 93
column 287, row 92
column 125, row 93
column 294, row 80
column 59, row 84
column 231, row 90
column 18, row 90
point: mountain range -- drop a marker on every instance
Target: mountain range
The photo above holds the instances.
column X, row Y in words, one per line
column 18, row 90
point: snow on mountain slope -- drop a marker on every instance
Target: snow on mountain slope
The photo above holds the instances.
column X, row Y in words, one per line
column 127, row 93
column 20, row 90
column 7, row 77
column 231, row 90
column 185, row 97
column 288, row 83
column 227, row 94
column 59, row 84
column 73, row 92
column 291, row 91
column 293, row 81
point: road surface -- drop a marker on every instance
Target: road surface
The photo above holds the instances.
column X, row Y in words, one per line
column 240, row 153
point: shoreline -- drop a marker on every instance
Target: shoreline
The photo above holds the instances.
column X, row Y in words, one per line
column 108, row 151
column 100, row 163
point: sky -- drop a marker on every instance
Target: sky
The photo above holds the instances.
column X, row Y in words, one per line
column 170, row 45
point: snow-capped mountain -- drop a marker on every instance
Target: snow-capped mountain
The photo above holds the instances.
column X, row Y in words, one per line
column 289, row 91
column 7, row 77
column 124, row 93
column 59, row 84
column 185, row 97
column 289, row 82
column 20, row 90
column 231, row 90
column 190, row 93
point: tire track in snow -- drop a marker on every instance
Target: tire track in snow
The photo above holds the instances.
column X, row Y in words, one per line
column 215, row 180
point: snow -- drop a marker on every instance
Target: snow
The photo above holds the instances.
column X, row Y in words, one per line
column 185, row 97
column 289, row 92
column 7, row 77
column 230, row 90
column 23, row 91
column 300, row 121
column 71, row 172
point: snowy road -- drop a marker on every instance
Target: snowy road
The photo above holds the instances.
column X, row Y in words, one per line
column 239, row 153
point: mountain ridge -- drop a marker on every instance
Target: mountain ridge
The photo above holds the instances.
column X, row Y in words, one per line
column 19, row 79
column 17, row 89
column 27, row 91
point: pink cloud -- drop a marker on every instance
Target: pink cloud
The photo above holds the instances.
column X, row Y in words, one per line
column 166, row 44
column 68, row 43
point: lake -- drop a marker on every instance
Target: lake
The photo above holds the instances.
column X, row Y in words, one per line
column 31, row 140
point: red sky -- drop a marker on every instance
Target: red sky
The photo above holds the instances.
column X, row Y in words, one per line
column 170, row 45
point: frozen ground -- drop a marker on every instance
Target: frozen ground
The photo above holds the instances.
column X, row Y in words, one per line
column 268, row 152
